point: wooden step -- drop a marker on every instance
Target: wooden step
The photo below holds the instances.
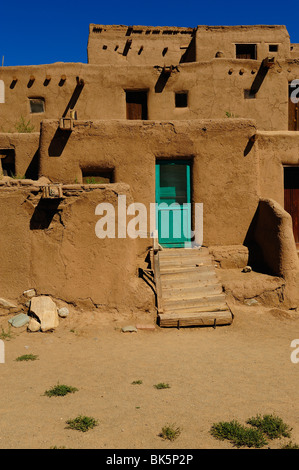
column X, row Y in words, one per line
column 189, row 261
column 181, row 271
column 197, row 281
column 174, row 304
column 216, row 307
column 190, row 291
column 206, row 318
column 185, row 252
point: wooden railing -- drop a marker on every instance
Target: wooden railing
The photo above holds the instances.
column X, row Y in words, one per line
column 156, row 269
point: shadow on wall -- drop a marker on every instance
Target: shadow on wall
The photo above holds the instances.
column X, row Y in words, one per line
column 59, row 142
column 32, row 171
column 44, row 213
column 272, row 248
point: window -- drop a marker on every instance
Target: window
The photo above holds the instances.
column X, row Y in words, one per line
column 96, row 175
column 37, row 105
column 136, row 104
column 249, row 95
column 7, row 162
column 246, row 51
column 181, row 99
column 273, row 47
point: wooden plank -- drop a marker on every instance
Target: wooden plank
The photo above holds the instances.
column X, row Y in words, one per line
column 158, row 281
column 196, row 319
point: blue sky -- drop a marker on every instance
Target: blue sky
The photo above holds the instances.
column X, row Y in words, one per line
column 41, row 32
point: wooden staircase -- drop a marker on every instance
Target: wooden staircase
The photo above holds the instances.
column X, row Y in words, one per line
column 188, row 290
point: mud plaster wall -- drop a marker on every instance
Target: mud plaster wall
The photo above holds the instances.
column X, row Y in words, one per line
column 211, row 39
column 214, row 88
column 26, row 147
column 276, row 149
column 66, row 259
column 273, row 233
column 138, row 45
column 223, row 179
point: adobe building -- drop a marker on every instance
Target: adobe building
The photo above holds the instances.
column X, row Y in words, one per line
column 158, row 114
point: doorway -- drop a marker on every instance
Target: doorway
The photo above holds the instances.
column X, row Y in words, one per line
column 136, row 104
column 173, row 203
column 291, row 197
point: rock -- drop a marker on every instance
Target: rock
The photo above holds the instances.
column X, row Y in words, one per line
column 45, row 310
column 19, row 320
column 247, row 269
column 33, row 325
column 250, row 302
column 5, row 303
column 63, row 312
column 129, row 329
column 29, row 293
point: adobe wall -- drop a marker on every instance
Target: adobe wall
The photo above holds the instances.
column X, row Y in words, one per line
column 224, row 170
column 214, row 88
column 138, row 45
column 276, row 149
column 212, row 39
column 272, row 230
column 52, row 247
column 26, row 148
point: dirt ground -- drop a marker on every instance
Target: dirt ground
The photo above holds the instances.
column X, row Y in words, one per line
column 230, row 372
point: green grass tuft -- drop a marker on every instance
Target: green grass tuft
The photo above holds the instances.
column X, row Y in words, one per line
column 27, row 357
column 60, row 390
column 82, row 423
column 238, row 435
column 170, row 432
column 271, row 425
column 161, row 385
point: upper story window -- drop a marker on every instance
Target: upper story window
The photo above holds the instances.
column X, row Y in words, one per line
column 246, row 51
column 136, row 102
column 273, row 47
column 181, row 99
column 37, row 105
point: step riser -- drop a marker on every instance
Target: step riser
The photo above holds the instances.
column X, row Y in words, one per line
column 182, row 273
column 191, row 292
column 188, row 262
column 201, row 319
column 186, row 282
column 175, row 304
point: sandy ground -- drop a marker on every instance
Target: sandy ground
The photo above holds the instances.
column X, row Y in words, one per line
column 231, row 372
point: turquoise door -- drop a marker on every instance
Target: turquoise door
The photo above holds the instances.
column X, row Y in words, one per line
column 173, row 203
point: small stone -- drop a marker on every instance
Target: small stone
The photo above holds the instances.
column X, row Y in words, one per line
column 5, row 303
column 129, row 329
column 250, row 302
column 45, row 310
column 29, row 293
column 63, row 312
column 247, row 269
column 33, row 325
column 19, row 320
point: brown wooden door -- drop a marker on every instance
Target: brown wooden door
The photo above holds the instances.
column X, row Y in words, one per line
column 136, row 104
column 291, row 197
column 293, row 113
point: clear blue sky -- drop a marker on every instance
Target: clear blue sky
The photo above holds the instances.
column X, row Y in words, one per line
column 42, row 32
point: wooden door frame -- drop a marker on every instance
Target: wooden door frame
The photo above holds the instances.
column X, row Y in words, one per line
column 188, row 163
